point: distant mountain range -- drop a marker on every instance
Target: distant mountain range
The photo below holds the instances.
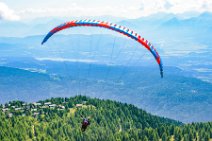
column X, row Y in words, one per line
column 188, row 53
column 150, row 25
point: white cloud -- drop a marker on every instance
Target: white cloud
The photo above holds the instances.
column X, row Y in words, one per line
column 117, row 8
column 76, row 10
column 175, row 6
column 6, row 13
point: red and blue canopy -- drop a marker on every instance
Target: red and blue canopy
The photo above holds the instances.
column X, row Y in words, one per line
column 118, row 28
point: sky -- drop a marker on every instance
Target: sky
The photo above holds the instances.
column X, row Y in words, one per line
column 30, row 9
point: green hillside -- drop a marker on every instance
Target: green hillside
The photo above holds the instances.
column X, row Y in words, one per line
column 60, row 119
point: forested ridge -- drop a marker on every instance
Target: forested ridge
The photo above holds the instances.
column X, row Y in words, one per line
column 60, row 119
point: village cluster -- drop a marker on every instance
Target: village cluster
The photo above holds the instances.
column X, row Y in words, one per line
column 31, row 108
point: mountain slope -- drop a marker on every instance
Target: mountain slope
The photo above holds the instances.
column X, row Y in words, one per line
column 109, row 121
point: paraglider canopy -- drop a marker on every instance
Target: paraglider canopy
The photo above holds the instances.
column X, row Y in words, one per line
column 121, row 29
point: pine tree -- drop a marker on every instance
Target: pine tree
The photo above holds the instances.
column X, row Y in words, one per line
column 145, row 138
column 164, row 137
